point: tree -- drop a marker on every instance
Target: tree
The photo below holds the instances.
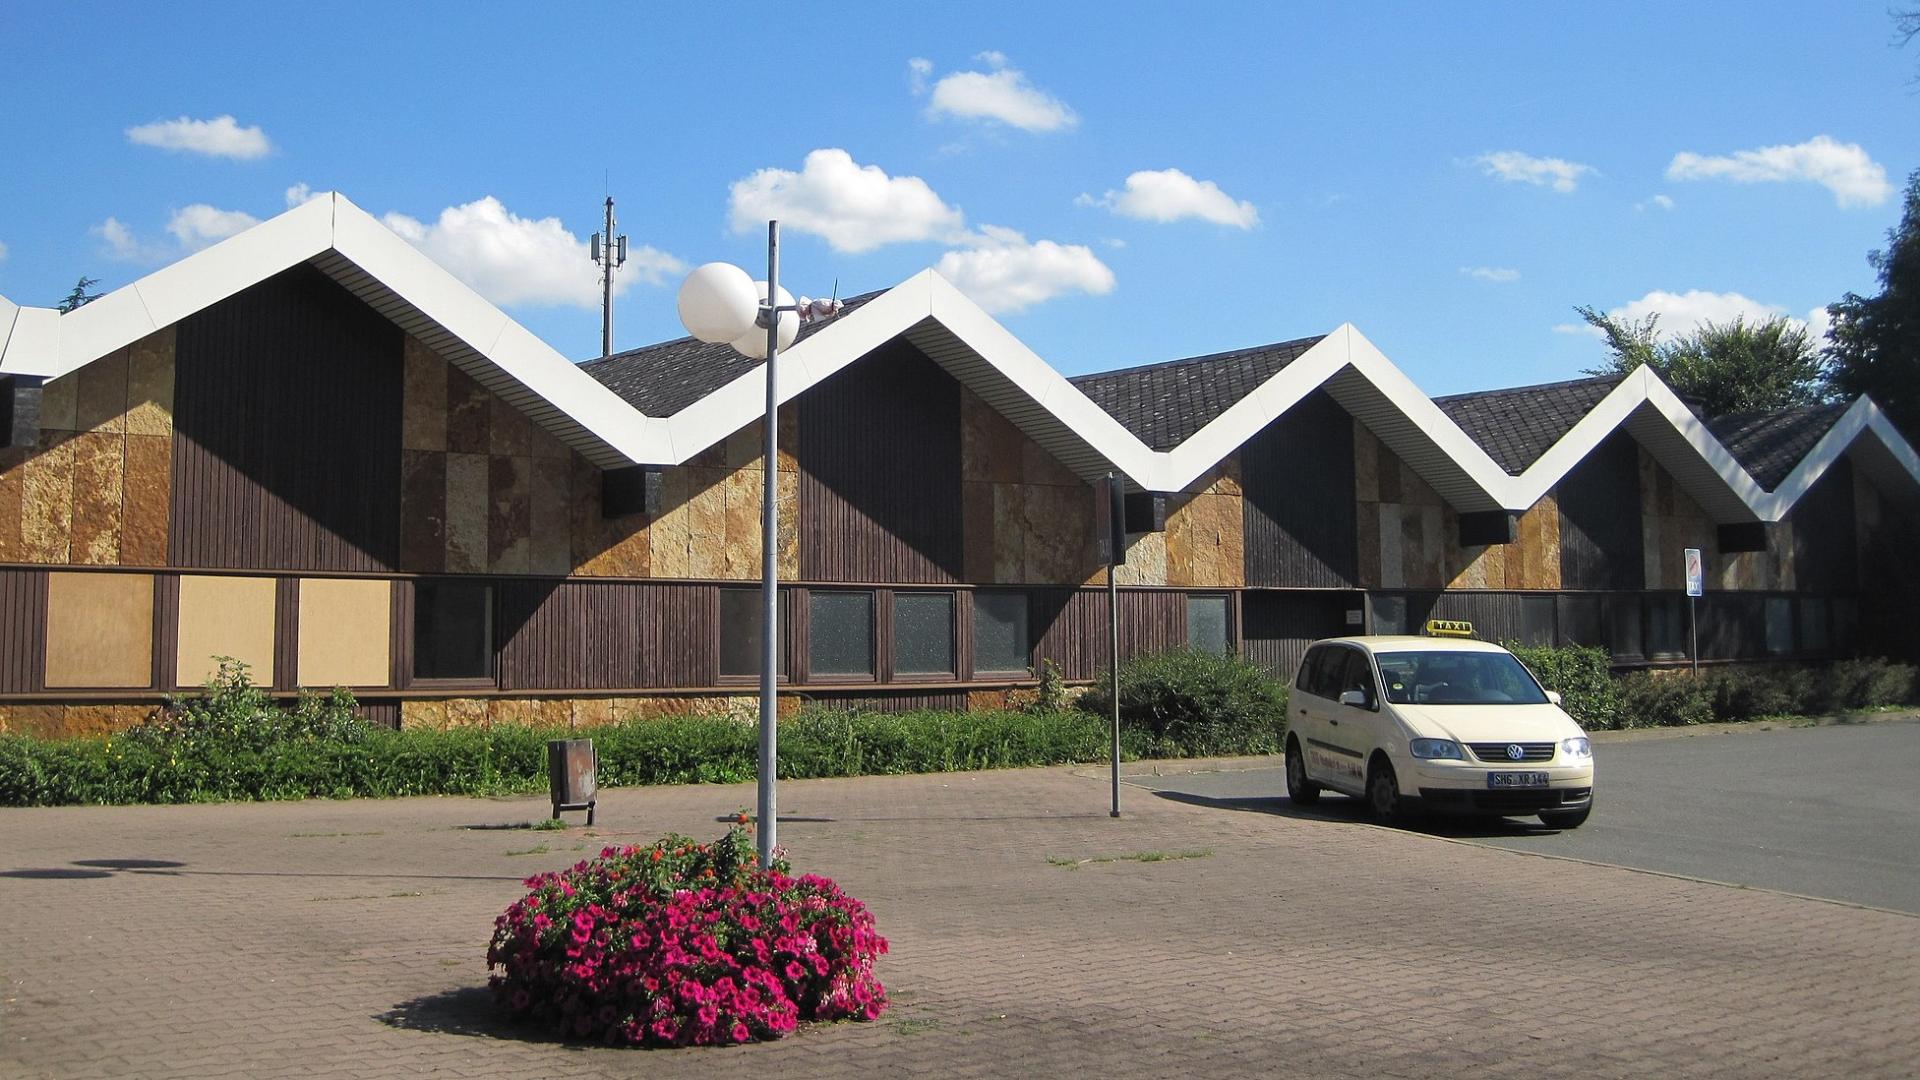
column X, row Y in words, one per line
column 1727, row 367
column 1874, row 347
column 81, row 296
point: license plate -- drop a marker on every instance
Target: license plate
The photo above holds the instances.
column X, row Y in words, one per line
column 1516, row 779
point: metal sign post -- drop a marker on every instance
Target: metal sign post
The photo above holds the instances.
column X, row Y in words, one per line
column 1114, row 507
column 1696, row 587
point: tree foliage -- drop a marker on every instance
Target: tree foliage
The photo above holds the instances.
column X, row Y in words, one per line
column 83, row 294
column 1727, row 367
column 1874, row 347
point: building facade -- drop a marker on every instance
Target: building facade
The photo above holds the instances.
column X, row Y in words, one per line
column 310, row 449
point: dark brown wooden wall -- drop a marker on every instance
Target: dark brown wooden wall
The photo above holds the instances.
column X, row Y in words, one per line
column 1280, row 626
column 1299, row 505
column 1826, row 555
column 1601, row 546
column 286, row 451
column 23, row 628
column 879, row 486
column 1070, row 626
column 583, row 635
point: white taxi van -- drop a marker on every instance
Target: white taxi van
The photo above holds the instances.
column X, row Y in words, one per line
column 1437, row 722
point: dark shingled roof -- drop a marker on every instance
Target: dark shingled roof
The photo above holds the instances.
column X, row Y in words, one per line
column 1770, row 444
column 1515, row 426
column 662, row 379
column 1163, row 404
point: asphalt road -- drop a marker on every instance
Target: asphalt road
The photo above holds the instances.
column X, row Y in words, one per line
column 1832, row 812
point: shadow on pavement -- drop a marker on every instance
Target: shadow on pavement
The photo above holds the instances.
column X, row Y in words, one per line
column 1341, row 808
column 468, row 1010
column 91, row 868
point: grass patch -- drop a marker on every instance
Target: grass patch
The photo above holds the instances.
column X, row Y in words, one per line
column 549, row 825
column 537, row 849
column 314, row 835
column 914, row 1025
column 1138, row 856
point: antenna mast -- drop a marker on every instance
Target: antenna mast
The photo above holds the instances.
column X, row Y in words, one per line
column 609, row 252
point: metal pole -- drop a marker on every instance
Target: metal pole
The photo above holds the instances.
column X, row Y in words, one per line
column 1693, row 633
column 1113, row 646
column 606, row 285
column 770, row 568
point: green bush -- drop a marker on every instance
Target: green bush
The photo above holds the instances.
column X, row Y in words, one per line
column 1187, row 703
column 1873, row 682
column 1583, row 677
column 234, row 713
column 1672, row 700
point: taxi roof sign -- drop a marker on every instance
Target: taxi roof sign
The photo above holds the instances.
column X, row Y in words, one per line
column 1454, row 628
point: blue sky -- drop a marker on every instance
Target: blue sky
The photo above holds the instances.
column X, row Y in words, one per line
column 1452, row 179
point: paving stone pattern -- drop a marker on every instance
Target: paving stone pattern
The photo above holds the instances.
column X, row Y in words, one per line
column 347, row 940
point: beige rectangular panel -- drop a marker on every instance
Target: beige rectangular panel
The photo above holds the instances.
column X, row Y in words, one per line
column 344, row 627
column 99, row 630
column 225, row 616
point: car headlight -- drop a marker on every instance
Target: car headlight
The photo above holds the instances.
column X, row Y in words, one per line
column 1578, row 748
column 1437, row 748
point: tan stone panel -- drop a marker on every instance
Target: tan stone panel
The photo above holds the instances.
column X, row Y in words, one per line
column 1477, row 573
column 509, row 514
column 1389, row 475
column 46, row 506
column 60, row 403
column 1387, row 527
column 670, row 536
column 509, row 432
column 38, row 721
column 742, row 491
column 423, row 410
column 344, row 631
column 552, row 546
column 742, row 449
column 224, row 616
column 99, row 630
column 99, row 476
column 1058, row 542
column 976, row 530
column 627, row 551
column 468, row 502
column 593, row 712
column 1146, row 560
column 986, row 700
column 1413, row 548
column 1038, row 466
column 787, row 507
column 150, row 385
column 92, row 721
column 422, row 713
column 991, row 447
column 1540, row 545
column 423, row 511
column 1206, row 543
column 147, row 501
column 466, row 712
column 1009, row 533
column 1222, row 479
column 102, row 401
column 1366, row 529
column 13, row 494
column 546, row 446
column 1366, row 464
column 468, row 413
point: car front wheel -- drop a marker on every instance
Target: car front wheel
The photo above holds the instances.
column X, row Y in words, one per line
column 1566, row 819
column 1300, row 790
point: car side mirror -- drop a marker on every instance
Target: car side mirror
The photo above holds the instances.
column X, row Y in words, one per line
column 1355, row 698
column 1553, row 697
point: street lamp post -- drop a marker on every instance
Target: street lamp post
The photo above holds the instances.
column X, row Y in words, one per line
column 719, row 302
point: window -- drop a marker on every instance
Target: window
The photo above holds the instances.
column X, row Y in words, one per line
column 1358, row 676
column 452, row 630
column 1813, row 624
column 922, row 633
column 1207, row 624
column 1304, row 682
column 1666, row 627
column 1458, row 678
column 840, row 633
column 1324, row 671
column 740, row 634
column 1779, row 625
column 1000, row 636
column 1389, row 614
column 1623, row 627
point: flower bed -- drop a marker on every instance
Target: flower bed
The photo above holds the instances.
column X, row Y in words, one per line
column 679, row 944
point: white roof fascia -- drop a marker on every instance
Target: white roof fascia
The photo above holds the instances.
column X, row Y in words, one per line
column 33, row 346
column 1567, row 452
column 1861, row 419
column 1480, row 471
column 498, row 339
column 9, row 311
column 1229, row 431
column 206, row 277
column 1737, row 496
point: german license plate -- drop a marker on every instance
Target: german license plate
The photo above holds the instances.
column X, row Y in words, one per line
column 1516, row 779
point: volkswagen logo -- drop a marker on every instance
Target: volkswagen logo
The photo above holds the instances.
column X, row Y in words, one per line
column 1515, row 752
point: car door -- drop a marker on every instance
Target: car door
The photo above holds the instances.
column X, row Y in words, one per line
column 1316, row 715
column 1349, row 729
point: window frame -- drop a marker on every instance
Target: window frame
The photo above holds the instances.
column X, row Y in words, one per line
column 874, row 671
column 891, row 633
column 491, row 680
column 783, row 666
column 973, row 637
column 1229, row 641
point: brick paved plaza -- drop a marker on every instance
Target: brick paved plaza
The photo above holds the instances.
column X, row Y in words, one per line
column 346, row 940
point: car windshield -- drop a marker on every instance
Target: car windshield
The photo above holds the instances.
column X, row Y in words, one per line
column 1452, row 677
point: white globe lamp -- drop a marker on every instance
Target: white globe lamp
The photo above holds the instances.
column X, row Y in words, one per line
column 718, row 303
column 754, row 342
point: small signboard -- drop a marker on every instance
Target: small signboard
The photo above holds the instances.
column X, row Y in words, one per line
column 1696, row 574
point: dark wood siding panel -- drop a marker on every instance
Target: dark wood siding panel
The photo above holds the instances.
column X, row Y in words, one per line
column 1299, row 507
column 1070, row 626
column 1825, row 548
column 1600, row 539
column 605, row 635
column 287, row 431
column 23, row 623
column 1280, row 626
column 879, row 487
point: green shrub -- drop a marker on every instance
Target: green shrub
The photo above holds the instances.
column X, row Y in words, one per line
column 1663, row 701
column 1583, row 677
column 231, row 712
column 1870, row 683
column 1187, row 703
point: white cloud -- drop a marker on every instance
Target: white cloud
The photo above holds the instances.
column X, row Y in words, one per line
column 918, row 68
column 1842, row 168
column 221, row 136
column 1001, row 94
column 1170, row 195
column 1682, row 313
column 523, row 261
column 1819, row 323
column 1660, row 202
column 854, row 207
column 198, row 225
column 1515, row 167
column 301, row 194
column 1497, row 274
column 122, row 244
column 1003, row 272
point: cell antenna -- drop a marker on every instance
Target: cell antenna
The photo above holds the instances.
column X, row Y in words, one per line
column 609, row 252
